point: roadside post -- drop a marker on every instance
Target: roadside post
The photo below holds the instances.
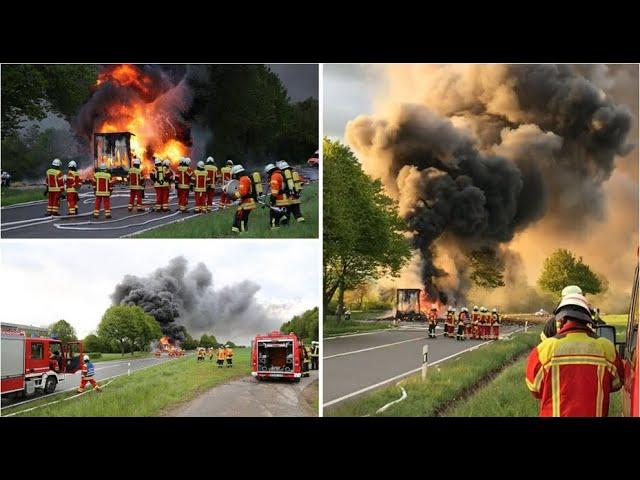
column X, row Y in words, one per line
column 128, row 369
column 425, row 355
column 526, row 326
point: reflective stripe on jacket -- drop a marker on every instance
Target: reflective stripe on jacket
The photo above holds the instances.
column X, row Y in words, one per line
column 73, row 181
column 201, row 181
column 55, row 181
column 277, row 189
column 102, row 184
column 136, row 182
column 185, row 177
column 244, row 194
column 212, row 172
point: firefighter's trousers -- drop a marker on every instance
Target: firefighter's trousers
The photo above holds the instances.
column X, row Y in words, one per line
column 183, row 199
column 224, row 199
column 210, row 194
column 294, row 209
column 229, row 362
column 106, row 201
column 162, row 199
column 276, row 217
column 220, row 363
column 460, row 333
column 135, row 199
column 53, row 206
column 495, row 331
column 432, row 330
column 241, row 220
column 201, row 202
column 72, row 202
column 85, row 380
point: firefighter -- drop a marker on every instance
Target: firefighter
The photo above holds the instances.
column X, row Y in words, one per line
column 136, row 186
column 495, row 324
column 228, row 355
column 55, row 187
column 450, row 322
column 166, row 186
column 54, row 362
column 72, row 184
column 278, row 197
column 88, row 372
column 552, row 325
column 210, row 352
column 315, row 354
column 225, row 177
column 102, row 188
column 574, row 372
column 243, row 196
column 293, row 187
column 158, row 178
column 461, row 323
column 184, row 183
column 212, row 174
column 201, row 353
column 475, row 323
column 221, row 356
column 200, row 188
column 433, row 321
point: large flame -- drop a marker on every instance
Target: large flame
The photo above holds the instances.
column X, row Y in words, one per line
column 427, row 303
column 143, row 114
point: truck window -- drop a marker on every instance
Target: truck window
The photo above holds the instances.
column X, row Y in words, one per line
column 37, row 351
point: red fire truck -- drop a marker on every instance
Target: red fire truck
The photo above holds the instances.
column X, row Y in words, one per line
column 27, row 363
column 277, row 355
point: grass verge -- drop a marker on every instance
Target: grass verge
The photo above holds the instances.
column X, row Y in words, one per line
column 218, row 224
column 11, row 196
column 508, row 396
column 146, row 392
column 330, row 329
column 445, row 383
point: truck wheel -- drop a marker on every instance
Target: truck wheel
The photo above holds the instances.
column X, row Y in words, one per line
column 50, row 386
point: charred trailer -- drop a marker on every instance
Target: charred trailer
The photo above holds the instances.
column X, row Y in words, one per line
column 408, row 308
column 114, row 150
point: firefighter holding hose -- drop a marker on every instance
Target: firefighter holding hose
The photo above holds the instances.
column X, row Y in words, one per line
column 102, row 188
column 55, row 187
column 574, row 372
column 184, row 180
column 88, row 372
column 72, row 184
column 244, row 197
column 433, row 321
column 136, row 186
column 212, row 174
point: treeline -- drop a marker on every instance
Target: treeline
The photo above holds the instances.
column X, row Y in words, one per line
column 305, row 326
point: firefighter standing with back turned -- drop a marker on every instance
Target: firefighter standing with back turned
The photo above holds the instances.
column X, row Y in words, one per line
column 228, row 355
column 157, row 177
column 184, row 180
column 73, row 184
column 461, row 323
column 574, row 372
column 244, row 195
column 88, row 372
column 200, row 188
column 136, row 186
column 166, row 187
column 212, row 174
column 225, row 177
column 278, row 197
column 433, row 321
column 55, row 187
column 293, row 188
column 221, row 356
column 102, row 187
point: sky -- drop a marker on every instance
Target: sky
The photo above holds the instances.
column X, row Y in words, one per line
column 45, row 281
column 300, row 80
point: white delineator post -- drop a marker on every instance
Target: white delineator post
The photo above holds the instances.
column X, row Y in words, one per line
column 526, row 326
column 128, row 369
column 425, row 355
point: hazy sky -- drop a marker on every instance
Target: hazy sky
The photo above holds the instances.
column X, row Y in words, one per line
column 44, row 281
column 300, row 80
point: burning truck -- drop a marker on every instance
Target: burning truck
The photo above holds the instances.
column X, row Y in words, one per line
column 413, row 305
column 114, row 150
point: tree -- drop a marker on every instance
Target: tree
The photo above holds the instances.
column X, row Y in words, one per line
column 208, row 341
column 562, row 268
column 120, row 323
column 189, row 343
column 93, row 343
column 305, row 326
column 63, row 331
column 147, row 330
column 363, row 234
column 230, row 343
column 487, row 269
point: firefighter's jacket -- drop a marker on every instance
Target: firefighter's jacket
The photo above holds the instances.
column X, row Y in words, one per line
column 276, row 182
column 55, row 180
column 221, row 354
column 88, row 370
column 73, row 181
column 136, row 180
column 201, row 182
column 212, row 173
column 495, row 319
column 244, row 193
column 475, row 317
column 102, row 184
column 450, row 319
column 225, row 172
column 158, row 176
column 168, row 175
column 185, row 177
column 433, row 317
column 574, row 372
column 228, row 353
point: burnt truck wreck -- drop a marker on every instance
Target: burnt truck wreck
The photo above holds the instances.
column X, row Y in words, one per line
column 408, row 308
column 114, row 150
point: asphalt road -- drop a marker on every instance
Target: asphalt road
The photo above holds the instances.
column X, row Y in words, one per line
column 104, row 370
column 246, row 397
column 356, row 364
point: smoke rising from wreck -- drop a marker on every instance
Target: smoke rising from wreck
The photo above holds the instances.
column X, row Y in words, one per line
column 476, row 154
column 176, row 295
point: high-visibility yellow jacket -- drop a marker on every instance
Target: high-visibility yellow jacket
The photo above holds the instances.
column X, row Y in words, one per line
column 201, row 182
column 102, row 184
column 73, row 181
column 228, row 352
column 136, row 181
column 55, row 180
column 212, row 173
column 158, row 175
column 225, row 173
column 221, row 354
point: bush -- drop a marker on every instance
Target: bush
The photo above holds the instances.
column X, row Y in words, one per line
column 94, row 355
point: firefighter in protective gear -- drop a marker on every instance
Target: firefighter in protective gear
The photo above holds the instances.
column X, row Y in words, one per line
column 158, row 178
column 484, row 323
column 475, row 323
column 212, row 174
column 228, row 355
column 225, row 177
column 315, row 355
column 210, row 353
column 221, row 356
column 278, row 197
column 88, row 372
column 72, row 184
column 55, row 187
column 102, row 188
column 293, row 188
column 494, row 324
column 200, row 188
column 168, row 176
column 433, row 321
column 574, row 372
column 461, row 323
column 184, row 183
column 244, row 195
column 552, row 325
column 449, row 325
column 136, row 186
column 201, row 353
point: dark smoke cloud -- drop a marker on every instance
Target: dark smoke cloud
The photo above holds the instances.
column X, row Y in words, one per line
column 488, row 151
column 176, row 296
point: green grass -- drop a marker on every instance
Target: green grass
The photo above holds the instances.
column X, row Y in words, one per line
column 106, row 357
column 11, row 196
column 330, row 329
column 508, row 396
column 445, row 382
column 620, row 322
column 218, row 224
column 147, row 392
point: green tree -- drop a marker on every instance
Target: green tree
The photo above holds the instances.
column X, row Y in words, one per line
column 562, row 268
column 30, row 92
column 93, row 343
column 189, row 343
column 230, row 343
column 147, row 330
column 208, row 341
column 487, row 269
column 305, row 326
column 363, row 234
column 63, row 330
column 120, row 323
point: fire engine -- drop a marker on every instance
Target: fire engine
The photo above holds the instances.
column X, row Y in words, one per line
column 27, row 364
column 277, row 355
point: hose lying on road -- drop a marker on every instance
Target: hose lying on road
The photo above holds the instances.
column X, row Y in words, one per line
column 120, row 227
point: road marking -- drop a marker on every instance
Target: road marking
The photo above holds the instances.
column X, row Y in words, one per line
column 358, row 334
column 397, row 377
column 373, row 348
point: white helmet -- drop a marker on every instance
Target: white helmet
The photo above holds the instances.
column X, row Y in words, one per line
column 229, row 162
column 187, row 161
column 157, row 161
column 282, row 164
column 85, row 358
column 269, row 167
column 56, row 162
column 166, row 163
column 209, row 159
column 103, row 166
column 136, row 161
column 483, row 309
column 72, row 164
column 574, row 305
column 200, row 164
column 494, row 310
column 571, row 289
column 237, row 169
column 475, row 307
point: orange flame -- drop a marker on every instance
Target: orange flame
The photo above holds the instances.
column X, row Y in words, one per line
column 427, row 303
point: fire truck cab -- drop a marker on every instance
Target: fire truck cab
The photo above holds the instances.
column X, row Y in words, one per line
column 36, row 363
column 277, row 355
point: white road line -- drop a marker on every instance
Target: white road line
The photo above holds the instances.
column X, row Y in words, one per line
column 397, row 377
column 359, row 334
column 373, row 348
